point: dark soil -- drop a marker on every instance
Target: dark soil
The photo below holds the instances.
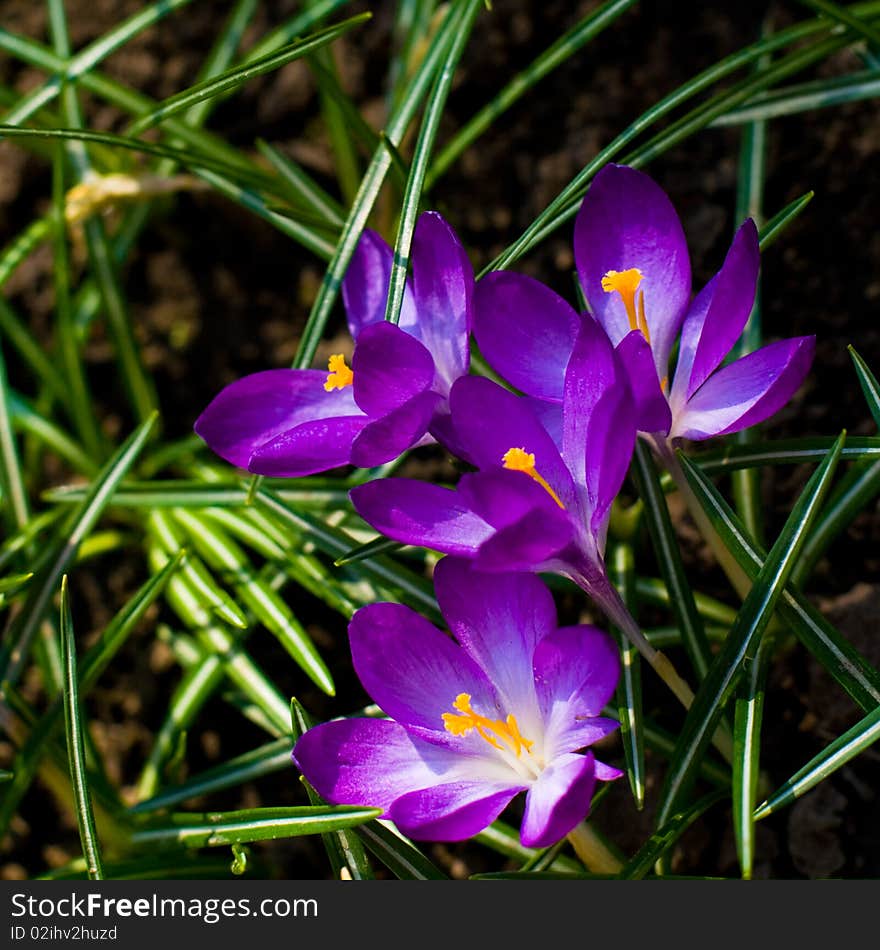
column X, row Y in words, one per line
column 214, row 294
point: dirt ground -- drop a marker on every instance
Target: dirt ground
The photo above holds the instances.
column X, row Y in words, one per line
column 214, row 294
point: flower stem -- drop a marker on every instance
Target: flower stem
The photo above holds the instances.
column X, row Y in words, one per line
column 594, row 853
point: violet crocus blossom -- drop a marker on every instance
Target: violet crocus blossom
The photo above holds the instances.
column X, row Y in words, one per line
column 292, row 422
column 532, row 504
column 633, row 265
column 508, row 706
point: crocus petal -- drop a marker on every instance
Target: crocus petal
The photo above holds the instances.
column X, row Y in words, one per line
column 370, row 762
column 730, row 306
column 529, row 544
column 489, row 421
column 558, row 801
column 365, row 285
column 421, row 514
column 746, row 391
column 576, row 672
column 525, row 331
column 607, row 773
column 389, row 367
column 309, row 448
column 599, row 429
column 411, row 669
column 498, row 619
column 383, row 439
column 627, row 221
column 442, row 288
column 451, row 812
column 257, row 408
column 651, row 407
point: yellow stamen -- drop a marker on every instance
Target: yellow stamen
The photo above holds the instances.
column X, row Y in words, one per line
column 626, row 283
column 492, row 730
column 340, row 375
column 518, row 460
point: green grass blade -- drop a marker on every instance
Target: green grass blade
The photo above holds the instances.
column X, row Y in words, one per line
column 237, row 76
column 202, row 583
column 27, row 419
column 18, row 638
column 88, row 57
column 216, row 829
column 668, row 554
column 777, row 224
column 750, row 204
column 301, row 186
column 641, row 863
column 845, row 17
column 652, row 590
column 370, row 186
column 434, row 109
column 742, row 642
column 75, row 745
column 559, row 52
column 845, row 664
column 413, row 589
column 344, row 848
column 747, row 720
column 264, row 760
column 223, row 555
column 629, row 690
column 868, row 382
column 13, row 492
column 844, row 748
column 368, row 550
column 804, row 97
column 405, row 861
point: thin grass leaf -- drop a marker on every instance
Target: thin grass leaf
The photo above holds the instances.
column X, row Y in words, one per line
column 301, row 186
column 805, row 97
column 629, row 690
column 344, row 848
column 368, row 550
column 18, row 638
column 146, row 869
column 846, row 747
column 87, row 58
column 75, row 746
column 641, row 863
column 405, row 861
column 223, row 555
column 844, row 663
column 371, row 184
column 28, row 420
column 652, row 590
column 333, row 541
column 780, row 221
column 255, row 764
column 21, row 247
column 409, row 206
column 785, row 452
column 215, row 829
column 559, row 52
column 13, row 492
column 741, row 645
column 237, row 76
column 203, row 584
column 92, row 665
column 14, row 330
column 668, row 555
column 845, row 17
column 747, row 721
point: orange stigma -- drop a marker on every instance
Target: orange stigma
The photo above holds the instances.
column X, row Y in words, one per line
column 626, row 283
column 494, row 731
column 340, row 375
column 518, row 460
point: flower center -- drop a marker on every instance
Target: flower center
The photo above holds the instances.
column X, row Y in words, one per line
column 340, row 375
column 518, row 460
column 501, row 734
column 626, row 283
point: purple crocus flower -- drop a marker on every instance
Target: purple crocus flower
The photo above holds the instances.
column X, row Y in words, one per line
column 538, row 501
column 291, row 422
column 505, row 707
column 633, row 265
